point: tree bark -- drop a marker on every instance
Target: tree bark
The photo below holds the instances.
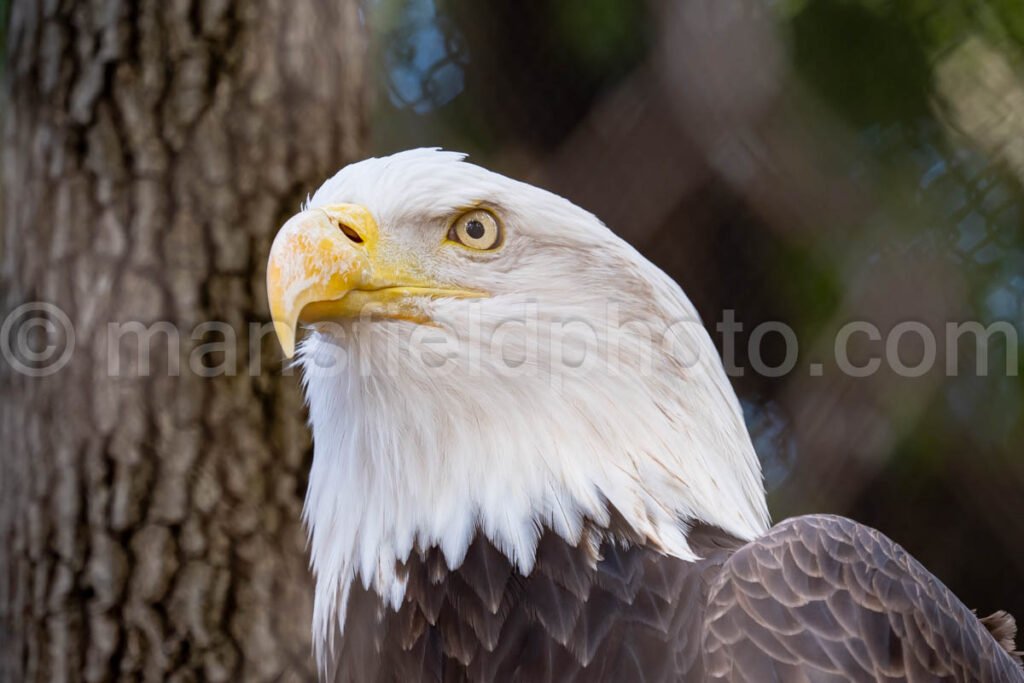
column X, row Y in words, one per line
column 150, row 519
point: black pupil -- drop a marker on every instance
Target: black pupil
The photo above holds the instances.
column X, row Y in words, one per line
column 475, row 229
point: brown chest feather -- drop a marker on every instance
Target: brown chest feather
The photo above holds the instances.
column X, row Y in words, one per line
column 633, row 615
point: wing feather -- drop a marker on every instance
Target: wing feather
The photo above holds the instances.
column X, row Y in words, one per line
column 825, row 598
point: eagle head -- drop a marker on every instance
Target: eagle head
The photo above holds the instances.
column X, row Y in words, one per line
column 484, row 357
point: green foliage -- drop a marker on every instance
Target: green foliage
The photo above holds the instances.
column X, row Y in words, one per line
column 601, row 36
column 1011, row 15
column 4, row 10
column 799, row 275
column 880, row 74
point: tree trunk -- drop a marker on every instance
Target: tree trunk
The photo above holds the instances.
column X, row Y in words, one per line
column 150, row 517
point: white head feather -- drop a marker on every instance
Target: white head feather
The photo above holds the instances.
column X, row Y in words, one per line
column 512, row 433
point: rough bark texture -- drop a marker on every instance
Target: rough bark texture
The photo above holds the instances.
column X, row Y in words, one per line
column 150, row 522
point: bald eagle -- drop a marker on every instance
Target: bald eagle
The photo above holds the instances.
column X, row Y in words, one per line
column 529, row 464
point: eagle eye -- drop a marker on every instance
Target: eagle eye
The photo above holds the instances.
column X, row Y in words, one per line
column 476, row 229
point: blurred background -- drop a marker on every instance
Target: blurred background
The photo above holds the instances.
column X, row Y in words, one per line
column 813, row 162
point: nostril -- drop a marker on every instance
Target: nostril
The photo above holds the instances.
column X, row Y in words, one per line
column 350, row 233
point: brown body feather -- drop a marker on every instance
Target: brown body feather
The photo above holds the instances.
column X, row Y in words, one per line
column 816, row 599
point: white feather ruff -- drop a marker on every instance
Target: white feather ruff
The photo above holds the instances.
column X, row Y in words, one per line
column 408, row 457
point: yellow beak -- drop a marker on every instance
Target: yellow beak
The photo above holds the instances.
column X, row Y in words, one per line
column 325, row 265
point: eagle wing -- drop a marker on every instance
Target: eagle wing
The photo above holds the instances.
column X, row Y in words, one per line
column 822, row 598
